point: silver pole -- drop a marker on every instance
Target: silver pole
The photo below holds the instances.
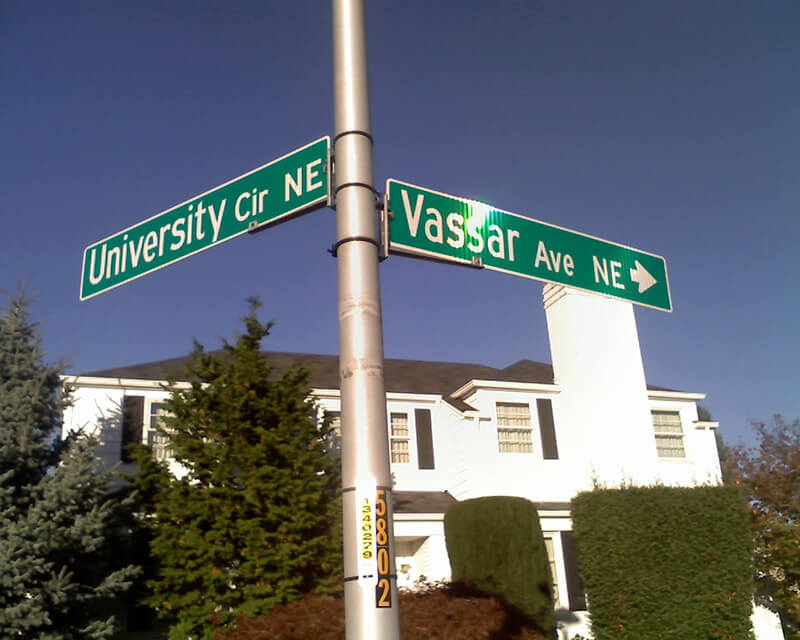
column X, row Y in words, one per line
column 370, row 588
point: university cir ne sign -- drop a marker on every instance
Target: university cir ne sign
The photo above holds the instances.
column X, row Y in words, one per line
column 293, row 184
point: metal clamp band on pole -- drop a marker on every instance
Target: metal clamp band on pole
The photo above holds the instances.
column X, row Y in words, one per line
column 352, row 578
column 364, row 185
column 370, row 588
column 366, row 134
column 346, row 489
column 334, row 250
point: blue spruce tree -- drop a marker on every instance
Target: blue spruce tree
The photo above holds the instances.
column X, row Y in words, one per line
column 56, row 514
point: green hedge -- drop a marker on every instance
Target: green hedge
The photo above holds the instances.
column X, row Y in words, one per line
column 496, row 544
column 663, row 563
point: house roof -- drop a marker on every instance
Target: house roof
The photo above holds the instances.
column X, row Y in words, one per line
column 408, row 376
column 405, row 376
column 421, row 501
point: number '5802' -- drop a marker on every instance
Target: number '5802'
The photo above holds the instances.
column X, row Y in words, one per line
column 383, row 590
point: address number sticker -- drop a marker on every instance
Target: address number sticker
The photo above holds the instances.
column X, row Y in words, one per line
column 366, row 538
column 383, row 589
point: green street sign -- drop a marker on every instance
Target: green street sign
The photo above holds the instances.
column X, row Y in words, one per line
column 293, row 184
column 428, row 224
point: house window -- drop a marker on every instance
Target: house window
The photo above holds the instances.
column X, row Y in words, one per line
column 398, row 437
column 335, row 433
column 514, row 428
column 158, row 442
column 551, row 559
column 669, row 434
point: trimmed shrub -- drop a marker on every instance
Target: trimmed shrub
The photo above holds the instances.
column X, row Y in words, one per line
column 446, row 612
column 663, row 563
column 496, row 544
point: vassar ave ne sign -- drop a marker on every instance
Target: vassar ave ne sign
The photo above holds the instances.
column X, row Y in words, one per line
column 434, row 225
column 293, row 184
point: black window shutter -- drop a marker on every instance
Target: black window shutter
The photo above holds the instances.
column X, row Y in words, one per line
column 575, row 592
column 132, row 423
column 547, row 429
column 422, row 418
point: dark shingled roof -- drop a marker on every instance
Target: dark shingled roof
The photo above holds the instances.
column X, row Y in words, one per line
column 553, row 506
column 526, row 371
column 421, row 501
column 409, row 376
column 440, row 501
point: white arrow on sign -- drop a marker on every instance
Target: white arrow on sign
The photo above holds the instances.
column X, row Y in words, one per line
column 642, row 276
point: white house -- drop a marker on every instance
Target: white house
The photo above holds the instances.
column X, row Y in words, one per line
column 460, row 431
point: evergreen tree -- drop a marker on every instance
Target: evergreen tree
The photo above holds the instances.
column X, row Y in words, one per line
column 55, row 512
column 252, row 522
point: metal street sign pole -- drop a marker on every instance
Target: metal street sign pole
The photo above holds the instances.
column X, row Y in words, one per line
column 279, row 190
column 370, row 587
column 428, row 224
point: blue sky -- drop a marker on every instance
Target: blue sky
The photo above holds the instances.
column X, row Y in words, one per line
column 671, row 127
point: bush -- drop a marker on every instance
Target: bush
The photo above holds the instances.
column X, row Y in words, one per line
column 447, row 612
column 665, row 562
column 496, row 543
